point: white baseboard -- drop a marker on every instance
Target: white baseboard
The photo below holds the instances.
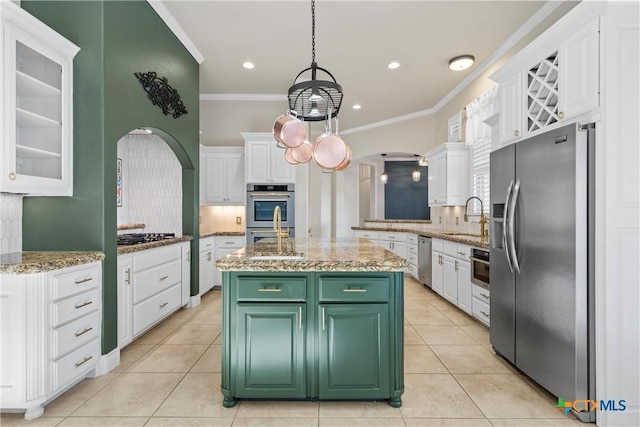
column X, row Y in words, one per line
column 107, row 362
column 195, row 301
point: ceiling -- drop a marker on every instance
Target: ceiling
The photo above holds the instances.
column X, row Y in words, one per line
column 355, row 40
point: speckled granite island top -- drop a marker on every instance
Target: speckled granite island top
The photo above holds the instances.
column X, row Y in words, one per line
column 220, row 233
column 42, row 261
column 315, row 254
column 127, row 249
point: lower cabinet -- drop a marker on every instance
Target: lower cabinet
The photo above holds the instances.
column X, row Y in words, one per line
column 150, row 287
column 50, row 330
column 207, row 259
column 480, row 303
column 312, row 336
column 451, row 275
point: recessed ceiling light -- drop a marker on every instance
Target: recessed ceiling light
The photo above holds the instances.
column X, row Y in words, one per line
column 460, row 63
column 393, row 65
column 356, row 106
column 248, row 65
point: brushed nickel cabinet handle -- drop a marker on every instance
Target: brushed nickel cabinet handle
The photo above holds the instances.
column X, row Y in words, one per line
column 164, row 277
column 484, row 295
column 354, row 290
column 83, row 304
column 456, row 265
column 84, row 280
column 85, row 360
column 269, row 290
column 128, row 279
column 164, row 304
column 209, row 256
column 461, row 253
column 84, row 331
column 485, row 314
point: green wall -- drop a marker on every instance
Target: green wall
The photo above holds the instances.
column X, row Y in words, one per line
column 116, row 39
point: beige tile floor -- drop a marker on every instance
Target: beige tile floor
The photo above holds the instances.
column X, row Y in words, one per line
column 171, row 377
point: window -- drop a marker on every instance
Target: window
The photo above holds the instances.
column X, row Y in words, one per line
column 478, row 137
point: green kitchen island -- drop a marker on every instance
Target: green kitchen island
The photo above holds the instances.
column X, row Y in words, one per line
column 321, row 322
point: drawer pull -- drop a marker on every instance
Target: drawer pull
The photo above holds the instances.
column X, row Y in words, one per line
column 164, row 304
column 485, row 314
column 164, row 277
column 84, row 331
column 83, row 304
column 484, row 295
column 461, row 253
column 269, row 290
column 88, row 279
column 85, row 360
column 354, row 290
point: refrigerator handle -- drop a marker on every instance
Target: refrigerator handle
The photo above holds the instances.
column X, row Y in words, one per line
column 512, row 209
column 505, row 240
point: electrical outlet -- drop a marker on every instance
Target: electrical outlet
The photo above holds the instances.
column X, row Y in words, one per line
column 439, row 220
column 457, row 220
column 238, row 220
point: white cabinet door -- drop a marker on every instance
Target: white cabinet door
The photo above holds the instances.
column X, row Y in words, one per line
column 207, row 251
column 457, row 176
column 215, row 178
column 511, row 110
column 224, row 246
column 464, row 286
column 437, row 177
column 258, row 157
column 448, row 174
column 235, row 185
column 222, row 175
column 449, row 279
column 37, row 125
column 125, row 302
column 437, row 273
column 186, row 272
column 281, row 170
column 578, row 80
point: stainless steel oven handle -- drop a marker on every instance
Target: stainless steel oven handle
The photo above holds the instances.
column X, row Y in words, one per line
column 505, row 225
column 514, row 201
column 269, row 194
column 482, row 261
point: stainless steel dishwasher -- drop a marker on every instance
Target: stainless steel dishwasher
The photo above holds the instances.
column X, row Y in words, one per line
column 424, row 260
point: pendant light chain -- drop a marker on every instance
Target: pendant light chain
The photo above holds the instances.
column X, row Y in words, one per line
column 313, row 31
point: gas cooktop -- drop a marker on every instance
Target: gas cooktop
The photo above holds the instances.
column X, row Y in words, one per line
column 137, row 238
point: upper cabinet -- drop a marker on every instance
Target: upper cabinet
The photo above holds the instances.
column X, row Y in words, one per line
column 560, row 85
column 448, row 174
column 265, row 162
column 36, row 78
column 222, row 176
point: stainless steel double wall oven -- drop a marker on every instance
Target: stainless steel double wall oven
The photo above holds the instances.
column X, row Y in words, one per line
column 262, row 200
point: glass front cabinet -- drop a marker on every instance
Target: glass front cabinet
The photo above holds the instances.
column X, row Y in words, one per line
column 37, row 106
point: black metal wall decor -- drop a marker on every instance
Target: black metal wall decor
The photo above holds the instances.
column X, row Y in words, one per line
column 161, row 94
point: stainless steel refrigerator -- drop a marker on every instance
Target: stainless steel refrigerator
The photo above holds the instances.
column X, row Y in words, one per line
column 541, row 274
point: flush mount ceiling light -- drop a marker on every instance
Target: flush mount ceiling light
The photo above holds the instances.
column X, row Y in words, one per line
column 383, row 176
column 393, row 65
column 248, row 65
column 463, row 62
column 356, row 106
column 415, row 175
column 311, row 99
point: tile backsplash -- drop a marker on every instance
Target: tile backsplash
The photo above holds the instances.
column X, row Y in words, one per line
column 446, row 218
column 221, row 218
column 10, row 223
column 151, row 184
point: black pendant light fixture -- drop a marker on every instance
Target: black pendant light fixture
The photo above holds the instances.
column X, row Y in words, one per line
column 313, row 100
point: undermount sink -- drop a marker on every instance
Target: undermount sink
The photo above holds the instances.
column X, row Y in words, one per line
column 276, row 257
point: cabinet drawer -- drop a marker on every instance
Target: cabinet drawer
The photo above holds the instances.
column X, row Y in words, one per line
column 412, row 258
column 481, row 293
column 76, row 306
column 272, row 288
column 393, row 236
column 412, row 239
column 75, row 334
column 463, row 252
column 207, row 244
column 481, row 311
column 75, row 365
column 338, row 289
column 411, row 248
column 76, row 280
column 154, row 280
column 157, row 256
column 234, row 242
column 413, row 271
column 151, row 311
column 450, row 248
column 371, row 235
column 437, row 245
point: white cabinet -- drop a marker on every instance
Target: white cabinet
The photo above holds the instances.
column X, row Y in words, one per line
column 412, row 254
column 222, row 176
column 265, row 162
column 224, row 246
column 448, row 174
column 451, row 273
column 480, row 304
column 151, row 286
column 207, row 260
column 552, row 81
column 396, row 242
column 50, row 334
column 36, row 82
column 372, row 236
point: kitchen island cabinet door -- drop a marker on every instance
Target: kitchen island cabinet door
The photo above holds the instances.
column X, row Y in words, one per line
column 354, row 351
column 271, row 350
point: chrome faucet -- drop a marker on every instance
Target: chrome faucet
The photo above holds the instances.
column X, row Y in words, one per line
column 277, row 227
column 483, row 219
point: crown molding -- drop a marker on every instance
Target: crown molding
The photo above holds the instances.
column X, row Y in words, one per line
column 177, row 30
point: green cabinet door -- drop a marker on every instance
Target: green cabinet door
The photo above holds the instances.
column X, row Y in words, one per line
column 270, row 341
column 354, row 358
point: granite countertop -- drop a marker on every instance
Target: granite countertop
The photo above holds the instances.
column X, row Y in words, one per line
column 127, row 249
column 30, row 262
column 130, row 226
column 221, row 233
column 400, row 221
column 458, row 237
column 318, row 254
